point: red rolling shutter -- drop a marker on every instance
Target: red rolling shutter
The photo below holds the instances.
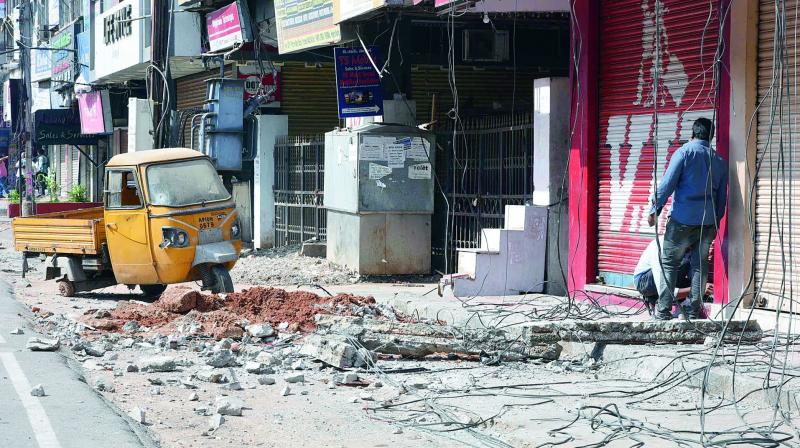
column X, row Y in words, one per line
column 683, row 45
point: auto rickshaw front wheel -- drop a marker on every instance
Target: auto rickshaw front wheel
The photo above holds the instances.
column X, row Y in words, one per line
column 222, row 280
column 66, row 288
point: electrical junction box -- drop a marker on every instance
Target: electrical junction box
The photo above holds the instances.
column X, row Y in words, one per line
column 379, row 168
column 379, row 186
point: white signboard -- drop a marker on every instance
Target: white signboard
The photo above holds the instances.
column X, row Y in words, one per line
column 118, row 37
column 52, row 12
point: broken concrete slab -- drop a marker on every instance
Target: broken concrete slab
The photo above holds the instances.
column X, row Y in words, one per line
column 336, row 351
column 229, row 406
column 260, row 330
column 37, row 344
column 17, row 331
column 215, row 422
column 314, row 250
column 157, row 364
column 298, row 378
column 211, row 376
column 638, row 332
column 222, row 358
column 266, row 380
column 257, row 367
column 417, row 340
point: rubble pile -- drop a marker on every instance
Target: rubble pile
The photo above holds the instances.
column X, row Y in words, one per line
column 187, row 311
column 284, row 266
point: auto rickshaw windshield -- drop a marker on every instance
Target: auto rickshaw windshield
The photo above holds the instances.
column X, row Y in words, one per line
column 186, row 182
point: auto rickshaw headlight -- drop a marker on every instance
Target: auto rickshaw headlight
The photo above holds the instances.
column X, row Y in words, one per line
column 235, row 230
column 174, row 237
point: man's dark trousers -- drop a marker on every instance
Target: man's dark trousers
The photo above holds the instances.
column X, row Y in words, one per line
column 677, row 238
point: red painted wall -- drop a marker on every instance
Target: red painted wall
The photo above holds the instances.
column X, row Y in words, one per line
column 585, row 50
column 53, row 207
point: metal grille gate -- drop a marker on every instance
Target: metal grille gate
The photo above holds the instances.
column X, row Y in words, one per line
column 299, row 182
column 489, row 166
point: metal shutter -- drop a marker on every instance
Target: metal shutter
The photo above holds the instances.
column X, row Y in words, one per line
column 777, row 196
column 473, row 94
column 687, row 43
column 308, row 96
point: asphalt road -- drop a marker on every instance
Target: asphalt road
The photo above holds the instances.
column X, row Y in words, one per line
column 70, row 415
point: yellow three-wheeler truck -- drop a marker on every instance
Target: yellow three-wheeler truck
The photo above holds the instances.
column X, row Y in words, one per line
column 166, row 218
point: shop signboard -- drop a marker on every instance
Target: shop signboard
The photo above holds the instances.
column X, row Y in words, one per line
column 63, row 56
column 255, row 83
column 358, row 85
column 348, row 9
column 59, row 127
column 305, row 24
column 224, row 28
column 84, row 57
column 95, row 112
column 118, row 39
column 42, row 64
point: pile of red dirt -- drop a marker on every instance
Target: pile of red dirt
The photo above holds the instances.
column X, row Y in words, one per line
column 218, row 317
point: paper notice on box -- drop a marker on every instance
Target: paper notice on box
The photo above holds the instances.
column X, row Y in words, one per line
column 372, row 150
column 396, row 155
column 418, row 149
column 378, row 171
column 419, row 171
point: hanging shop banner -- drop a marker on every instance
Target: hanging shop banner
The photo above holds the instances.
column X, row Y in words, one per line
column 42, row 64
column 255, row 83
column 95, row 112
column 63, row 53
column 305, row 24
column 224, row 28
column 358, row 85
column 59, row 127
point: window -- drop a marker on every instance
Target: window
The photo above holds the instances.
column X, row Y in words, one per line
column 186, row 182
column 122, row 190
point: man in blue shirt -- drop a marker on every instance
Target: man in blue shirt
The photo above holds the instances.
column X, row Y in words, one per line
column 697, row 180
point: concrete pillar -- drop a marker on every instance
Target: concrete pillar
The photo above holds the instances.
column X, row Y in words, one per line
column 550, row 155
column 269, row 127
column 743, row 66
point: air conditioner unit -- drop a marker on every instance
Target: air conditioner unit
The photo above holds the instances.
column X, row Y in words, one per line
column 485, row 45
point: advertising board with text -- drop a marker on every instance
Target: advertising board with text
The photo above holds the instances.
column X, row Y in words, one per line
column 358, row 86
column 305, row 24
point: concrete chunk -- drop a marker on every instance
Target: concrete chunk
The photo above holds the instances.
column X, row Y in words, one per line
column 38, row 391
column 37, row 344
column 229, row 406
column 138, row 415
column 222, row 358
column 157, row 364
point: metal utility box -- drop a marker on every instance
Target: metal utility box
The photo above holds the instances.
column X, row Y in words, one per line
column 222, row 125
column 379, row 196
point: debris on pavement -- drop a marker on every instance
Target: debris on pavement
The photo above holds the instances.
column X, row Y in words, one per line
column 37, row 344
column 17, row 331
column 38, row 391
column 138, row 415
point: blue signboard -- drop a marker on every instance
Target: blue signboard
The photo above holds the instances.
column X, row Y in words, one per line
column 358, row 85
column 41, row 65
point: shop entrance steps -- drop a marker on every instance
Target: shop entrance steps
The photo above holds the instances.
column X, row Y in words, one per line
column 509, row 261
